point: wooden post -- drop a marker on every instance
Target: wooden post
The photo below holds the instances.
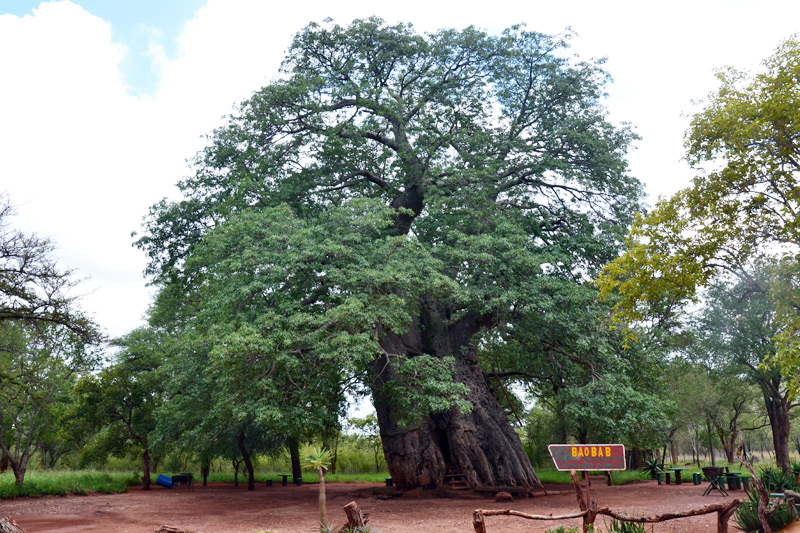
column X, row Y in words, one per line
column 585, row 504
column 355, row 517
column 608, row 477
column 723, row 517
column 477, row 521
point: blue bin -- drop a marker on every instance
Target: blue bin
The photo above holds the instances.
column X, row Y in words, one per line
column 164, row 481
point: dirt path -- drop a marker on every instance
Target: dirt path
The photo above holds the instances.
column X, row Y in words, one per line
column 223, row 508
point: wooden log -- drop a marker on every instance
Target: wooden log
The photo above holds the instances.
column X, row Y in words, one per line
column 7, row 525
column 511, row 512
column 714, row 508
column 355, row 517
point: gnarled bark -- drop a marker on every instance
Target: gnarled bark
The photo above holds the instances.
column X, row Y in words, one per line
column 482, row 443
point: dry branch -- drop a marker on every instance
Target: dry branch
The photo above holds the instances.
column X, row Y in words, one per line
column 7, row 525
column 715, row 508
column 509, row 512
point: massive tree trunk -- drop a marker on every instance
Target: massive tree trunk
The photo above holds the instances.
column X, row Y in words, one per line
column 482, row 443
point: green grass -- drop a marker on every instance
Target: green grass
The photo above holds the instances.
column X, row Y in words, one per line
column 308, row 477
column 618, row 478
column 63, row 483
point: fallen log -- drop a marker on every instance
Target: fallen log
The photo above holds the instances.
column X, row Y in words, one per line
column 7, row 525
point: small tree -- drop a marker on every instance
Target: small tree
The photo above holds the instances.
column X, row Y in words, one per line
column 37, row 365
column 319, row 459
column 370, row 433
column 122, row 398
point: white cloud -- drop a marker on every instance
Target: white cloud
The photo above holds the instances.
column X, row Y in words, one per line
column 85, row 159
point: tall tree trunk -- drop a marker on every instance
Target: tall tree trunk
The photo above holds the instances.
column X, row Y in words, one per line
column 146, row 469
column 205, row 467
column 711, row 442
column 729, row 445
column 673, row 450
column 251, row 480
column 294, row 453
column 778, row 407
column 4, row 461
column 236, row 464
column 635, row 462
column 19, row 467
column 482, row 443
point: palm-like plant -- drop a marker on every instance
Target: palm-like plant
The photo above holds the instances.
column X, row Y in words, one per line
column 319, row 459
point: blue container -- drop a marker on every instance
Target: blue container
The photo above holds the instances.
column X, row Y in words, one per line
column 164, row 481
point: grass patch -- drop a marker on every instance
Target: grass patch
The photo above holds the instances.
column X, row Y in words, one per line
column 62, row 483
column 618, row 478
column 308, row 477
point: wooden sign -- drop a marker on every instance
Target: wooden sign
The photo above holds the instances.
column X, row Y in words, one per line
column 588, row 456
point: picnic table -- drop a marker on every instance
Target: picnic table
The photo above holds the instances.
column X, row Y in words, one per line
column 677, row 474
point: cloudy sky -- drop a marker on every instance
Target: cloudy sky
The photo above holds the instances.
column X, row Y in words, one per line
column 102, row 101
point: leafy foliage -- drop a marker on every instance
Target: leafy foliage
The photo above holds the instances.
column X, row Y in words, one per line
column 394, row 203
column 740, row 208
column 41, row 363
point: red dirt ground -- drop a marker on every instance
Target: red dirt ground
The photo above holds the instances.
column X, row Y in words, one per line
column 223, row 508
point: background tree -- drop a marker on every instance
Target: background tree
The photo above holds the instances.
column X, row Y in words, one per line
column 458, row 182
column 369, row 433
column 40, row 363
column 741, row 211
column 32, row 287
column 121, row 399
column 737, row 332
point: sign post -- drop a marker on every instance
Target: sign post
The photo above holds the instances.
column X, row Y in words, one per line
column 586, row 457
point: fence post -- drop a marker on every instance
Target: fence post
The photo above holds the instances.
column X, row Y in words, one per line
column 477, row 521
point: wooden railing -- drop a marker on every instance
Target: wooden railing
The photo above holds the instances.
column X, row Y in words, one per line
column 589, row 513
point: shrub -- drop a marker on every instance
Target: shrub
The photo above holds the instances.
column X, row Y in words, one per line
column 652, row 468
column 776, row 480
column 560, row 529
column 747, row 515
column 618, row 526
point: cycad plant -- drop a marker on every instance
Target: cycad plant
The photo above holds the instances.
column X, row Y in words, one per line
column 319, row 459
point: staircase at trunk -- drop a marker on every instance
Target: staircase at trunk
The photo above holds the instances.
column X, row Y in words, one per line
column 455, row 479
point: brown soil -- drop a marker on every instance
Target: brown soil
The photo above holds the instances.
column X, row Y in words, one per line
column 223, row 508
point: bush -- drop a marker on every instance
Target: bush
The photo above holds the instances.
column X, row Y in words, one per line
column 618, row 526
column 560, row 529
column 747, row 515
column 776, row 480
column 652, row 468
